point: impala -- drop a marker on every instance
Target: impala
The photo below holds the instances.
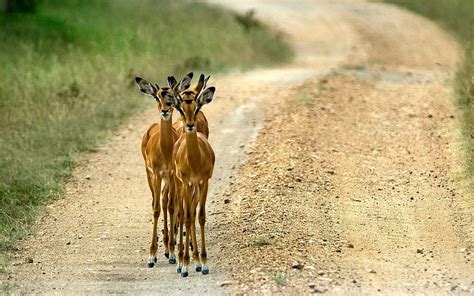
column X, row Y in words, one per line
column 157, row 150
column 194, row 163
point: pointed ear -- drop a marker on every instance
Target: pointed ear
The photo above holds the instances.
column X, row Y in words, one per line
column 172, row 82
column 206, row 96
column 205, row 81
column 185, row 82
column 146, row 87
column 200, row 84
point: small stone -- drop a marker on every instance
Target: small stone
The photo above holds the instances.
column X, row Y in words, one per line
column 29, row 260
column 298, row 179
column 371, row 271
column 419, row 251
column 79, row 237
column 298, row 266
column 226, row 201
column 242, row 145
column 320, row 272
column 289, row 168
column 350, row 246
column 312, row 285
column 88, row 177
column 68, row 243
column 225, row 283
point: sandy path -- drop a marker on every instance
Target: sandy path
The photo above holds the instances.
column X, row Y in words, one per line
column 95, row 240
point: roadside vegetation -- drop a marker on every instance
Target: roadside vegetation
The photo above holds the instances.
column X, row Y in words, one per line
column 457, row 16
column 67, row 78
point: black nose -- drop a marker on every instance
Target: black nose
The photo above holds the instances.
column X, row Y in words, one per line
column 190, row 125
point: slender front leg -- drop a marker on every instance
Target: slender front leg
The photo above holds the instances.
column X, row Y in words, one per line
column 164, row 205
column 181, row 225
column 187, row 222
column 193, row 234
column 171, row 209
column 202, row 222
column 156, row 184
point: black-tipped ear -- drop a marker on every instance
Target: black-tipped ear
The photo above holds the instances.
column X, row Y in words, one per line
column 206, row 96
column 146, row 87
column 172, row 82
column 186, row 82
column 200, row 84
column 205, row 81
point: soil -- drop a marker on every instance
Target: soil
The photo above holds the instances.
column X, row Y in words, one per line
column 339, row 173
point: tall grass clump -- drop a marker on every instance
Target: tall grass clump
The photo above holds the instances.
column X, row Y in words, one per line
column 66, row 78
column 457, row 16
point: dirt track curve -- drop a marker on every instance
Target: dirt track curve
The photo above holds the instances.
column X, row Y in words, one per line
column 335, row 174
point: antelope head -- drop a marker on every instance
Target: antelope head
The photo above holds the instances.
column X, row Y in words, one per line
column 190, row 100
column 165, row 97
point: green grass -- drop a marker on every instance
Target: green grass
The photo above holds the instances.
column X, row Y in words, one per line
column 257, row 243
column 67, row 79
column 457, row 16
column 280, row 277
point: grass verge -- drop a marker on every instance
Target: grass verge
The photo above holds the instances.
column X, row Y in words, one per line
column 67, row 78
column 457, row 16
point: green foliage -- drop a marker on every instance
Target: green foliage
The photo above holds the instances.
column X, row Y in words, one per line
column 456, row 16
column 67, row 77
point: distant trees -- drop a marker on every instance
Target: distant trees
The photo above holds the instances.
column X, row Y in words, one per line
column 9, row 6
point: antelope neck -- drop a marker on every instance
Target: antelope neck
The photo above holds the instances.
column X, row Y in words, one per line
column 192, row 150
column 166, row 136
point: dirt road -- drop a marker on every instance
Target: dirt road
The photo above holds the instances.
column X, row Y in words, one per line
column 336, row 174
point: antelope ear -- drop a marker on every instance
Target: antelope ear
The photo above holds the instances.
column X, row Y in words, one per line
column 172, row 83
column 185, row 82
column 206, row 96
column 146, row 87
column 205, row 81
column 200, row 85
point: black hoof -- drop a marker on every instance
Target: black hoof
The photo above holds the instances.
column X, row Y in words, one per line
column 155, row 259
column 167, row 255
column 172, row 261
column 178, row 270
column 151, row 264
column 205, row 271
column 184, row 274
column 198, row 268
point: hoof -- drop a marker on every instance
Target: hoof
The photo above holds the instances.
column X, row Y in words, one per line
column 155, row 259
column 167, row 255
column 151, row 261
column 178, row 270
column 184, row 274
column 172, row 260
column 198, row 268
column 205, row 271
